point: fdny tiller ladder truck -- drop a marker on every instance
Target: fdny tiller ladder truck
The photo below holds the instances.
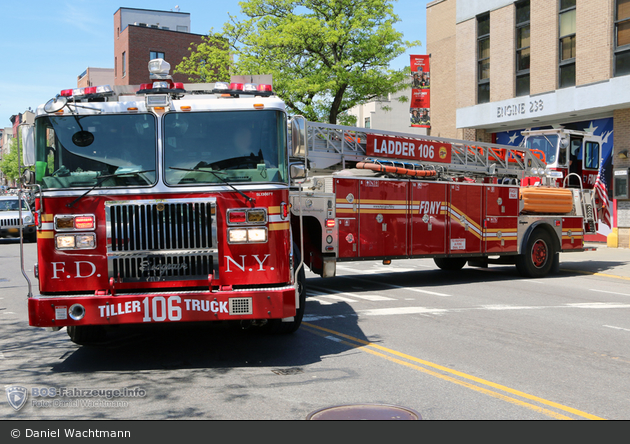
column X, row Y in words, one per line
column 194, row 203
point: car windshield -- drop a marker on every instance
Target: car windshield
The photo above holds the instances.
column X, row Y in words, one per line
column 218, row 147
column 75, row 151
column 12, row 205
column 545, row 143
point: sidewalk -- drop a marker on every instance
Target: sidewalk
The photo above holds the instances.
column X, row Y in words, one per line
column 613, row 262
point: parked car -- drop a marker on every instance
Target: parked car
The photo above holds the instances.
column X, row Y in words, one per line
column 10, row 219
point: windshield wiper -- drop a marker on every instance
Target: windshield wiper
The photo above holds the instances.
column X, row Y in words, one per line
column 100, row 181
column 217, row 175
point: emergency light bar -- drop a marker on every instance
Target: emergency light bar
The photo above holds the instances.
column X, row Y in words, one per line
column 89, row 92
column 235, row 89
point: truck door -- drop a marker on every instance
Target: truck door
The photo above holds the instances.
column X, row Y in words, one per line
column 383, row 209
column 501, row 219
column 465, row 230
column 575, row 160
column 429, row 217
column 590, row 165
column 347, row 211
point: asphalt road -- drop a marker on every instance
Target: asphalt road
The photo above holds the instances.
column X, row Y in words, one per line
column 478, row 344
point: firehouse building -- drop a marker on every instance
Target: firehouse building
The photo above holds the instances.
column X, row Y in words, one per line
column 500, row 67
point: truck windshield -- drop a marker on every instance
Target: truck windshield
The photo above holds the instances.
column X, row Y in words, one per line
column 74, row 151
column 547, row 144
column 217, row 147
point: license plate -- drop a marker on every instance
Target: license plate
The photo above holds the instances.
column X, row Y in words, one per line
column 13, row 230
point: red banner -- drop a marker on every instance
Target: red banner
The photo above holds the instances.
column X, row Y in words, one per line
column 420, row 110
column 408, row 149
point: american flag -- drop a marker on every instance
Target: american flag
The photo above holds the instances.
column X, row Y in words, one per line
column 601, row 190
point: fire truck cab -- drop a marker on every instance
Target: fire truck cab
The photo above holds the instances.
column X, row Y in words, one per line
column 160, row 204
column 575, row 154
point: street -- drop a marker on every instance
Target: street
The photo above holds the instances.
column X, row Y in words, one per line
column 478, row 344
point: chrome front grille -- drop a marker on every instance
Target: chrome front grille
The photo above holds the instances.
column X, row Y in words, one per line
column 161, row 240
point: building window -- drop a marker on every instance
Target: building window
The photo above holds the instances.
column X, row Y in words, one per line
column 622, row 38
column 522, row 48
column 566, row 31
column 483, row 58
column 366, row 122
column 123, row 63
column 156, row 55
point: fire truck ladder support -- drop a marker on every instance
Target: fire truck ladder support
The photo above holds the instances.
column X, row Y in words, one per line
column 337, row 146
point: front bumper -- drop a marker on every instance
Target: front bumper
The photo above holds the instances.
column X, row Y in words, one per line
column 187, row 306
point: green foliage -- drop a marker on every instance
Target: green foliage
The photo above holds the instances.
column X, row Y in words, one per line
column 9, row 163
column 325, row 56
column 208, row 62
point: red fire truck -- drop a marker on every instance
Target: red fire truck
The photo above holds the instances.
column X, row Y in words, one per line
column 157, row 204
column 165, row 203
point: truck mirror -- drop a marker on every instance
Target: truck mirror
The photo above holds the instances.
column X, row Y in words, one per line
column 298, row 136
column 28, row 177
column 298, row 171
column 28, row 145
column 564, row 142
column 55, row 104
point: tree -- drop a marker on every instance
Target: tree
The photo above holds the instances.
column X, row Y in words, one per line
column 325, row 56
column 9, row 163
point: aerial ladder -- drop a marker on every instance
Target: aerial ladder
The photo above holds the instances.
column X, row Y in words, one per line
column 330, row 148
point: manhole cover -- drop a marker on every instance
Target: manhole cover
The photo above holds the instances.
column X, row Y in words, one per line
column 287, row 371
column 366, row 412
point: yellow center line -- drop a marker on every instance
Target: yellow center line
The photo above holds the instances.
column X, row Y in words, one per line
column 461, row 375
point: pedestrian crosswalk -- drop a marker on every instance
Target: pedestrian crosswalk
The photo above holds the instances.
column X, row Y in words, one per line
column 328, row 298
column 325, row 296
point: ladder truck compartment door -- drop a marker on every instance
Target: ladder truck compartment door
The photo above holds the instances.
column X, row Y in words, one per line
column 465, row 218
column 429, row 218
column 383, row 208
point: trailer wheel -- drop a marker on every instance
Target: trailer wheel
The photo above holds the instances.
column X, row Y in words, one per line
column 538, row 257
column 450, row 263
column 86, row 334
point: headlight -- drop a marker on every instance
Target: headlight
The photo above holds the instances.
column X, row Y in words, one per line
column 64, row 242
column 28, row 219
column 85, row 240
column 237, row 235
column 82, row 241
column 245, row 235
column 257, row 234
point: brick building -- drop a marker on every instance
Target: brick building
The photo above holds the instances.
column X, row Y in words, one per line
column 141, row 35
column 499, row 67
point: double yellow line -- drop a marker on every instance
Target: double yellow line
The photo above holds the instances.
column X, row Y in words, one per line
column 479, row 385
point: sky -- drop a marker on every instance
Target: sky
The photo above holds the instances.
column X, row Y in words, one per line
column 45, row 45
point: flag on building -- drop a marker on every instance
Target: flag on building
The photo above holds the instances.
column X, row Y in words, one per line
column 604, row 208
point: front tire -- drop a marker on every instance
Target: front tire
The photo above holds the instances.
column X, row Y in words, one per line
column 86, row 334
column 276, row 326
column 538, row 258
